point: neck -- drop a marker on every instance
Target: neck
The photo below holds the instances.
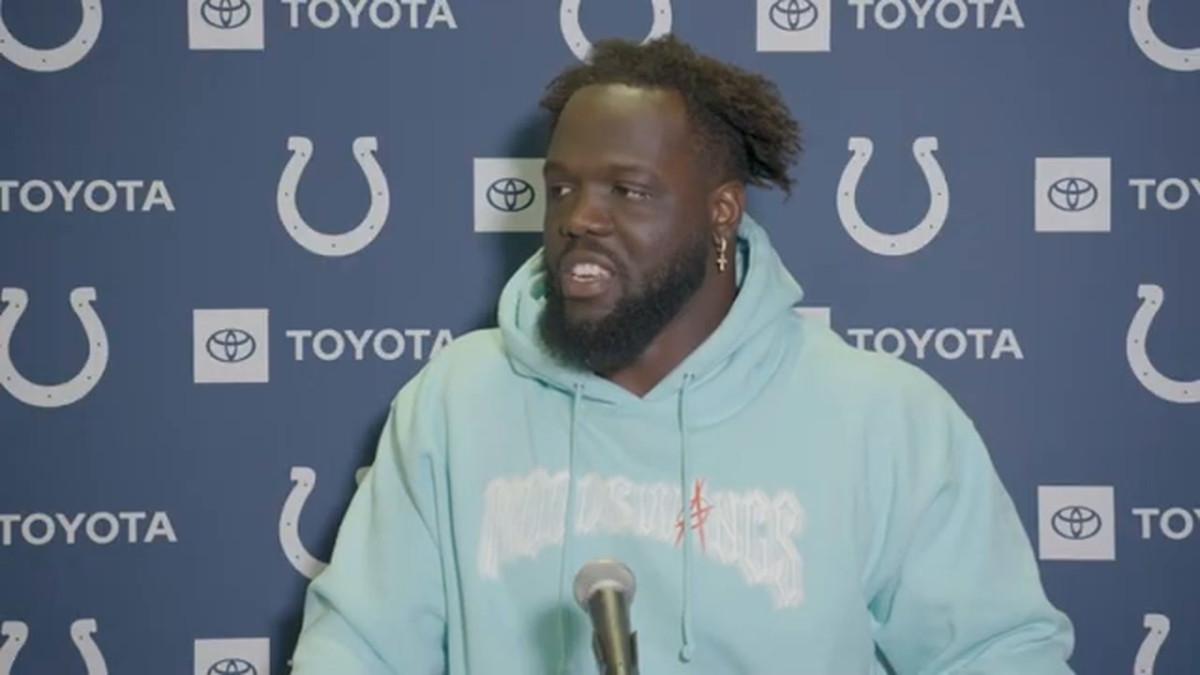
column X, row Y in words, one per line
column 700, row 316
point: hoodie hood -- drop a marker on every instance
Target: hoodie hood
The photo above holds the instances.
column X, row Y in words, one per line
column 724, row 369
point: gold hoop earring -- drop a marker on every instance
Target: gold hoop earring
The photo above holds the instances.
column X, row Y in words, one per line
column 721, row 260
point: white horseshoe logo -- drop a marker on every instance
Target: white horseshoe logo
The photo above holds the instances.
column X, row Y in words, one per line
column 59, row 58
column 1135, row 350
column 1153, row 47
column 77, row 387
column 303, row 479
column 893, row 244
column 320, row 243
column 17, row 633
column 581, row 46
column 81, row 634
column 1159, row 626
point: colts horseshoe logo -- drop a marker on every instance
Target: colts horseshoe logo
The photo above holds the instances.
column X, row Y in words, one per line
column 1135, row 350
column 581, row 46
column 77, row 387
column 303, row 480
column 81, row 634
column 17, row 633
column 320, row 243
column 59, row 58
column 893, row 244
column 1158, row 626
column 1172, row 58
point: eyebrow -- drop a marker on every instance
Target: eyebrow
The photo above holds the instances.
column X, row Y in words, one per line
column 619, row 167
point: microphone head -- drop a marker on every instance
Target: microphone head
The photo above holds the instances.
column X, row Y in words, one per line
column 603, row 573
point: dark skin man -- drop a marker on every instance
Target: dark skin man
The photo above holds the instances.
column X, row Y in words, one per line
column 631, row 207
column 787, row 503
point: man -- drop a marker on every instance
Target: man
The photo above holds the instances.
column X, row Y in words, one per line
column 788, row 504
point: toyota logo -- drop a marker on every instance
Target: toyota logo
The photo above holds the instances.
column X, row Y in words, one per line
column 225, row 14
column 1076, row 522
column 510, row 194
column 1073, row 194
column 232, row 667
column 230, row 345
column 793, row 16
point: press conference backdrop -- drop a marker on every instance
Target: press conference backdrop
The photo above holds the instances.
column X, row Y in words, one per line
column 230, row 230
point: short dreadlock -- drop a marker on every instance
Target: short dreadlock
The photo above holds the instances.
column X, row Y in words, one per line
column 742, row 123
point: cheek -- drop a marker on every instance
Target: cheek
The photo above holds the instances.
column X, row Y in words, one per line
column 553, row 243
column 662, row 236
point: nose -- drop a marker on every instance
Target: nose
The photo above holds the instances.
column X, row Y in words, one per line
column 587, row 214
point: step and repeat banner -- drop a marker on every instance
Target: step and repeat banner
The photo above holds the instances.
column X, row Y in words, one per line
column 231, row 230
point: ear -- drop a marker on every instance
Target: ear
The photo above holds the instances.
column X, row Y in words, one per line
column 727, row 203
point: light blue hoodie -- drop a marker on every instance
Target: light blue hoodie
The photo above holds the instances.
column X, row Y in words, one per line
column 839, row 506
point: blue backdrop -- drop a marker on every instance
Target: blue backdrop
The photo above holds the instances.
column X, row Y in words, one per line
column 211, row 325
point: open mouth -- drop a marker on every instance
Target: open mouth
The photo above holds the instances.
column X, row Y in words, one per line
column 585, row 280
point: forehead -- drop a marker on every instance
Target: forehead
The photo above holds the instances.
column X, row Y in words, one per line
column 602, row 125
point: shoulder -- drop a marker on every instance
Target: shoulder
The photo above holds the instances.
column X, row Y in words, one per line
column 831, row 363
column 469, row 364
column 475, row 353
column 459, row 379
column 904, row 417
column 894, row 406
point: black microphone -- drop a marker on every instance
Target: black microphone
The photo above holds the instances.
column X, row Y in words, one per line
column 604, row 589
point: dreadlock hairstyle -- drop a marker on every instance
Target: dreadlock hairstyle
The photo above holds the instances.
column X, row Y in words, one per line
column 743, row 125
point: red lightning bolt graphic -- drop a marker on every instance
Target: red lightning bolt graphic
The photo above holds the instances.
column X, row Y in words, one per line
column 699, row 515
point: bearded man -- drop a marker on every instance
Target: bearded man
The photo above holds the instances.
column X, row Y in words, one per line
column 787, row 503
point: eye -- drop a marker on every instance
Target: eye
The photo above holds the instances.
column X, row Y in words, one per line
column 632, row 193
column 556, row 190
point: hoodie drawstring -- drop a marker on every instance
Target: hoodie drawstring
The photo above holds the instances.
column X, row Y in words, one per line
column 687, row 648
column 564, row 603
column 685, row 653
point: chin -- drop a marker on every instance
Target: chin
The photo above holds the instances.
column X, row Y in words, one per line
column 586, row 311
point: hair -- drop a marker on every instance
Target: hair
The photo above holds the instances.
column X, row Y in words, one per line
column 743, row 125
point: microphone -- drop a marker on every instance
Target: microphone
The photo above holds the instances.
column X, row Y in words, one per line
column 604, row 588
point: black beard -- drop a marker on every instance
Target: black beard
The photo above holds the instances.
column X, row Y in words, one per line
column 618, row 339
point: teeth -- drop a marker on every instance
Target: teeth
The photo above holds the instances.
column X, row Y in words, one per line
column 588, row 270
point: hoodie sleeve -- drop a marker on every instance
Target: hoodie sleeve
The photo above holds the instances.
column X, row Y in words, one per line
column 379, row 607
column 963, row 594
